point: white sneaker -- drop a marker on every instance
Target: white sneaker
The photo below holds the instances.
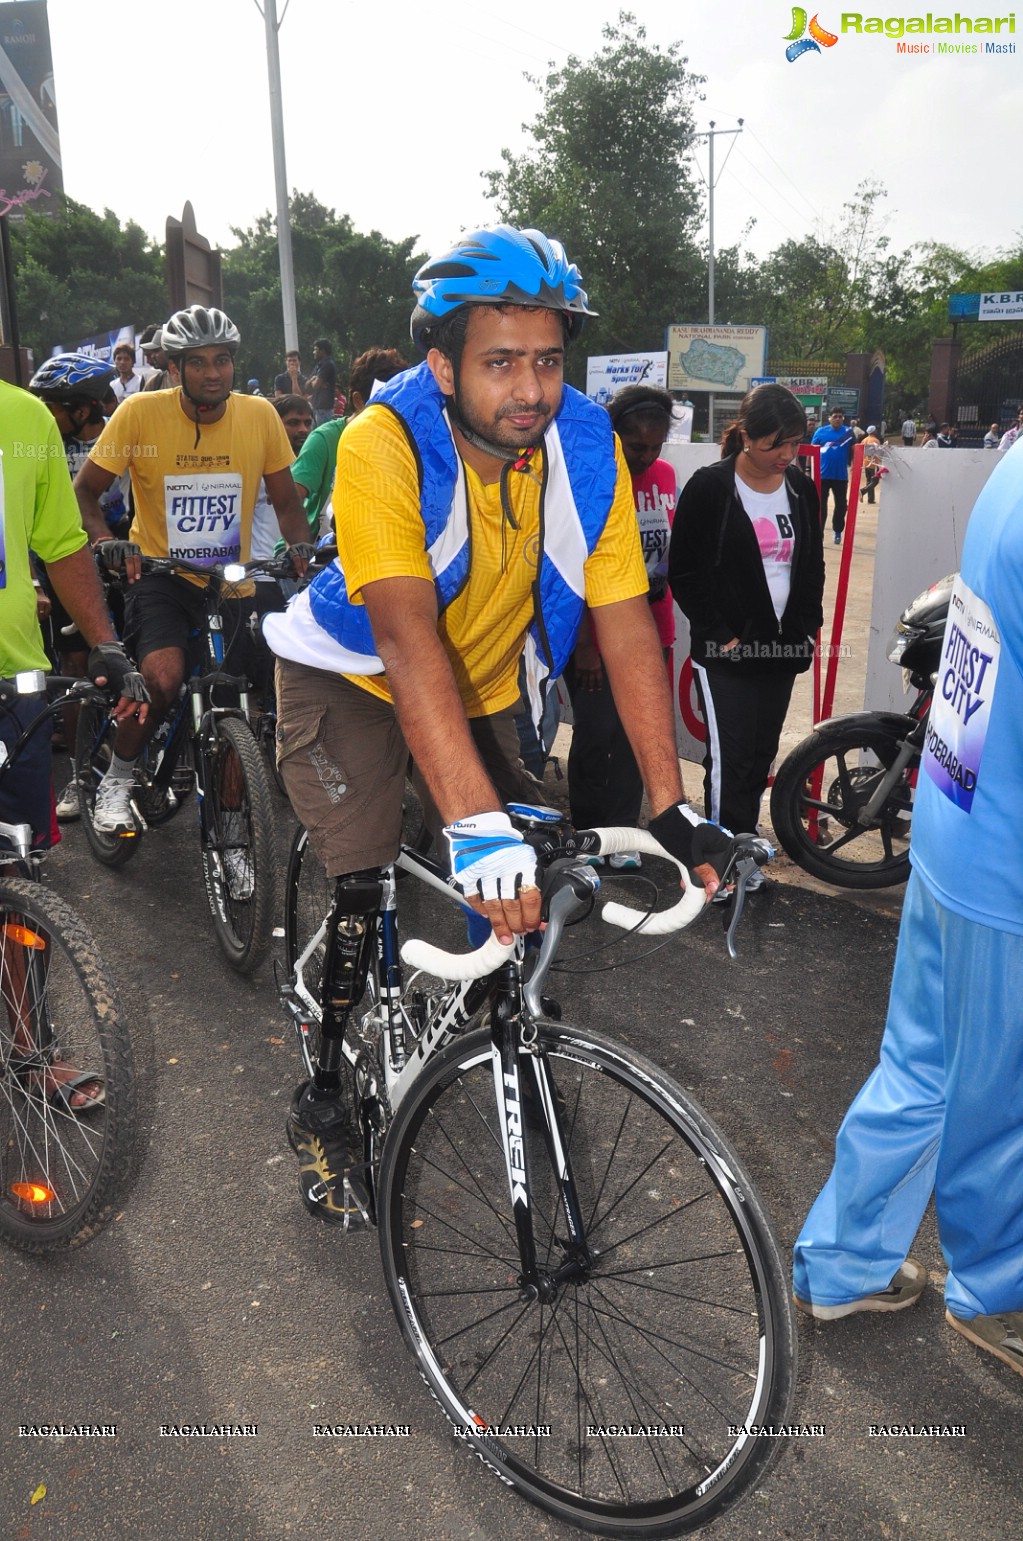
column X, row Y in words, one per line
column 237, row 859
column 626, row 861
column 112, row 812
column 67, row 803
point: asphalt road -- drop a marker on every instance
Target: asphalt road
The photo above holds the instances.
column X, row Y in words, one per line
column 214, row 1298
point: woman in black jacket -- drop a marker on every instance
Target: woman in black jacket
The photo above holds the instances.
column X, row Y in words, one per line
column 746, row 566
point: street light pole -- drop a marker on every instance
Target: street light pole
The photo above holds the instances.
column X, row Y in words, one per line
column 710, row 137
column 273, row 63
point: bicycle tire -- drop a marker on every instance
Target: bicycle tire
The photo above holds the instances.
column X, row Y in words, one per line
column 308, row 896
column 93, row 747
column 241, row 915
column 820, row 832
column 55, row 993
column 682, row 1320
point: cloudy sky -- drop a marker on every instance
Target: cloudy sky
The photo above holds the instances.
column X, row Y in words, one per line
column 393, row 110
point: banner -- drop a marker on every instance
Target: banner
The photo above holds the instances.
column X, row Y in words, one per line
column 608, row 372
column 101, row 345
column 30, row 171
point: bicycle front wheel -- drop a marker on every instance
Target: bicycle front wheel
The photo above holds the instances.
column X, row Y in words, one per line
column 238, row 845
column 67, row 1083
column 94, row 744
column 623, row 1397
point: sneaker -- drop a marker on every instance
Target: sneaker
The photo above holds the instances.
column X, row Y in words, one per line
column 594, row 861
column 67, row 803
column 838, row 540
column 626, row 861
column 237, row 859
column 112, row 812
column 756, row 880
column 333, row 1186
column 904, row 1290
column 1000, row 1335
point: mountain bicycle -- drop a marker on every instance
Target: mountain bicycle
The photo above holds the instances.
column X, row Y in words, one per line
column 205, row 743
column 576, row 1257
column 67, row 1080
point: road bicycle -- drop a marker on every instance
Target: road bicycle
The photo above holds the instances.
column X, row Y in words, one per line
column 67, row 1080
column 206, row 743
column 576, row 1257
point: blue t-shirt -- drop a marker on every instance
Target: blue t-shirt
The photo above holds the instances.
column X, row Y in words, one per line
column 836, row 450
column 969, row 797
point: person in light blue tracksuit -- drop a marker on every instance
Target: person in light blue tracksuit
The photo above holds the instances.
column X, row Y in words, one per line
column 943, row 1110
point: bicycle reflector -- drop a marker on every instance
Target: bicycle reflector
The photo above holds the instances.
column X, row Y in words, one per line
column 33, row 1193
column 23, row 935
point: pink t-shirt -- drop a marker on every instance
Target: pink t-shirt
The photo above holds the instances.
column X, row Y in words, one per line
column 655, row 493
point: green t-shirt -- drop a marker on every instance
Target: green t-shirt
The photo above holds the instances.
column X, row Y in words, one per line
column 315, row 466
column 38, row 510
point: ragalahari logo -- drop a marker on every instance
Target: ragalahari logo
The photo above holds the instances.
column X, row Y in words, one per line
column 799, row 43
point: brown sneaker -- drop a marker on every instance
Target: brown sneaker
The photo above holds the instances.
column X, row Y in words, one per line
column 904, row 1290
column 1001, row 1335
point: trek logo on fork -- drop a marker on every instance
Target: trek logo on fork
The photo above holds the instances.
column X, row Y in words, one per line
column 513, row 1138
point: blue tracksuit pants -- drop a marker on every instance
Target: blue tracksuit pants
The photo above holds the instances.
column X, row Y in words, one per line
column 943, row 1111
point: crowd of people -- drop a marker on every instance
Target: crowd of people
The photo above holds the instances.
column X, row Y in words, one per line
column 496, row 530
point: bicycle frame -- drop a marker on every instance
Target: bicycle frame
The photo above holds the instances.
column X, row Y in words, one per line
column 385, row 1028
column 400, row 1063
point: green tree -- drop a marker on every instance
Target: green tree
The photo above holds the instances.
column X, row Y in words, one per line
column 609, row 174
column 77, row 272
column 353, row 288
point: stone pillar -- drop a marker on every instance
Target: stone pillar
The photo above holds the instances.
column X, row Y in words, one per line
column 945, row 354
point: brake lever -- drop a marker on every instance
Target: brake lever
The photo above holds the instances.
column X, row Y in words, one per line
column 743, row 868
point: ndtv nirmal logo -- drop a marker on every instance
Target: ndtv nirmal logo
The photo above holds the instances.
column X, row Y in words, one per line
column 812, row 37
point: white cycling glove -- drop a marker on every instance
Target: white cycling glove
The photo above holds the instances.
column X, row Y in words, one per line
column 489, row 858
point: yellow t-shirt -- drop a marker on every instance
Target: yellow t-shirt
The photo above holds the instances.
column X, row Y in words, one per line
column 380, row 535
column 193, row 500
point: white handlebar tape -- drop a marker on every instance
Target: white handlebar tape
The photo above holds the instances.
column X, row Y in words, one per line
column 457, row 967
column 663, row 922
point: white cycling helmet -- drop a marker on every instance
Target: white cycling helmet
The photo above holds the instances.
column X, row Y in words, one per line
column 198, row 327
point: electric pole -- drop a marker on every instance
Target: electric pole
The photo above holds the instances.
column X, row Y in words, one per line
column 268, row 11
column 710, row 136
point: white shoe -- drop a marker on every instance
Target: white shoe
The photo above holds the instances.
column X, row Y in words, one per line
column 67, row 803
column 112, row 812
column 237, row 859
column 626, row 861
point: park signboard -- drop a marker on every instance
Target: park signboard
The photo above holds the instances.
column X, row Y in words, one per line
column 715, row 358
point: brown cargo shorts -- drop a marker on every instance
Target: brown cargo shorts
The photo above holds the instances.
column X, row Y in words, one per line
column 344, row 762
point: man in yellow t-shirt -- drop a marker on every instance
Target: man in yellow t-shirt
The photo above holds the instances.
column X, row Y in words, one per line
column 196, row 456
column 478, row 503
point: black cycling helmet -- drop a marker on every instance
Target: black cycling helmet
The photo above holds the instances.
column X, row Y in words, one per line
column 502, row 266
column 78, row 383
column 198, row 327
column 72, row 378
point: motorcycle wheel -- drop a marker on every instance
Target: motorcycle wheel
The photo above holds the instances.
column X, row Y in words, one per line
column 819, row 791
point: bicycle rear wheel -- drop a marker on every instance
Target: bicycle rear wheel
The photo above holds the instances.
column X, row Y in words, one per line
column 238, row 847
column 623, row 1401
column 62, row 1171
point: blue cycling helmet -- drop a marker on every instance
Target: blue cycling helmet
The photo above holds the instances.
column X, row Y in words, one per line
column 502, row 266
column 72, row 377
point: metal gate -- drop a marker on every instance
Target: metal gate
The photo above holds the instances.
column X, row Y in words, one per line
column 989, row 389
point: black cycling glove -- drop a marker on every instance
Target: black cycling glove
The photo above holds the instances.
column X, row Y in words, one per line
column 111, row 663
column 691, row 839
column 303, row 549
column 114, row 553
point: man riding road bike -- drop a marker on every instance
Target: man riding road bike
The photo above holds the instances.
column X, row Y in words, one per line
column 479, row 504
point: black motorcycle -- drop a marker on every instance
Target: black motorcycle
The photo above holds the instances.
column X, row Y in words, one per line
column 842, row 801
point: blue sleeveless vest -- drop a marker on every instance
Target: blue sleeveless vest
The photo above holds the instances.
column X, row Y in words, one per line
column 577, row 491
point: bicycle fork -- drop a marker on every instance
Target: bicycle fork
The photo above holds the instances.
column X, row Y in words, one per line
column 530, row 1103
